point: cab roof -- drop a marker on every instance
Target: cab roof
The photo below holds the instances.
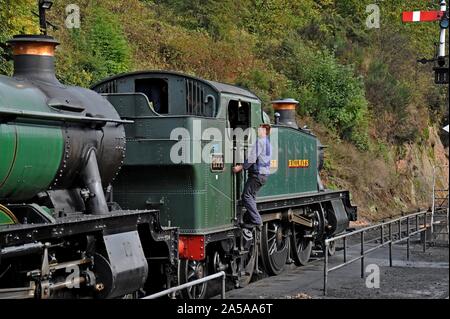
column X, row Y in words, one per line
column 219, row 87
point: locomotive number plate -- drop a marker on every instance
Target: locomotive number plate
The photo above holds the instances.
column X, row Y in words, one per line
column 217, row 162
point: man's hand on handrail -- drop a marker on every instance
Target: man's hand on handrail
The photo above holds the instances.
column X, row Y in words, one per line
column 236, row 169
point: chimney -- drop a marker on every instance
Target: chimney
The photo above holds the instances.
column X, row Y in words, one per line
column 286, row 110
column 34, row 57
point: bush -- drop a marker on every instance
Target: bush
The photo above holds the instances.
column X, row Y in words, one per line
column 108, row 45
column 384, row 90
column 100, row 49
column 14, row 19
column 327, row 90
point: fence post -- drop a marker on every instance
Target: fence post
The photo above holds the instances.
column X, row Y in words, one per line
column 362, row 254
column 224, row 280
column 325, row 268
column 407, row 240
column 390, row 244
column 345, row 249
column 433, row 204
column 425, row 232
column 417, row 223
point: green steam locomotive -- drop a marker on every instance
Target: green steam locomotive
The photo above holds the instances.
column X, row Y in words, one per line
column 186, row 135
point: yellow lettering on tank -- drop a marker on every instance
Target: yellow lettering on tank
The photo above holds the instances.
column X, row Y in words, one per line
column 298, row 163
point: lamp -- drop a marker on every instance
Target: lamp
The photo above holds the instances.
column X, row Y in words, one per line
column 45, row 4
column 444, row 21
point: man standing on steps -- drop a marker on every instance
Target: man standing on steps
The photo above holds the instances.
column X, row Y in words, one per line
column 258, row 167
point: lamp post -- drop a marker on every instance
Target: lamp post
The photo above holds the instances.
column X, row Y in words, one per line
column 44, row 5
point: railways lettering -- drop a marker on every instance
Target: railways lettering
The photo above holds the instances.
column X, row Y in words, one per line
column 298, row 163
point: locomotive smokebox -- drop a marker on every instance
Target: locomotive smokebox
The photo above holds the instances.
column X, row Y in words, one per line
column 286, row 110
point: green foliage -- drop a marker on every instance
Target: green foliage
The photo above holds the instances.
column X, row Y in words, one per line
column 332, row 186
column 425, row 133
column 339, row 100
column 350, row 79
column 98, row 50
column 327, row 90
column 381, row 149
column 384, row 89
column 194, row 13
column 265, row 84
column 103, row 44
column 108, row 45
column 14, row 19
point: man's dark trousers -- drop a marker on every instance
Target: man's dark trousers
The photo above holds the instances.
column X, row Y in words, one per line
column 252, row 186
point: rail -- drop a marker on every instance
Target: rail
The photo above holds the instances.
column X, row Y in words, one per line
column 389, row 225
column 190, row 284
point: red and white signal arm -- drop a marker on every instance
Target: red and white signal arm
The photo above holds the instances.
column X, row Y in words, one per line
column 442, row 15
column 422, row 16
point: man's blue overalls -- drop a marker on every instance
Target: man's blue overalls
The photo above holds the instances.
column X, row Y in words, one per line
column 258, row 167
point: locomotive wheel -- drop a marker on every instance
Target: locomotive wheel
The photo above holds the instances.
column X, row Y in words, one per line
column 301, row 246
column 274, row 247
column 191, row 270
column 7, row 217
column 248, row 264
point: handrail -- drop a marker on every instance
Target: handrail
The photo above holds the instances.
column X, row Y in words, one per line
column 190, row 284
column 374, row 226
column 10, row 114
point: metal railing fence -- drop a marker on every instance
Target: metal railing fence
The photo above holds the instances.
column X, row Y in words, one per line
column 385, row 239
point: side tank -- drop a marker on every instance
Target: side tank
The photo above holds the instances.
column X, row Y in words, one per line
column 296, row 166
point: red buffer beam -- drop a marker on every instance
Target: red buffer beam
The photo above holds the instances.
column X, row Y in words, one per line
column 422, row 16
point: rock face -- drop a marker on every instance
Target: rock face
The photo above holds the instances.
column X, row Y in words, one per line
column 416, row 169
column 384, row 184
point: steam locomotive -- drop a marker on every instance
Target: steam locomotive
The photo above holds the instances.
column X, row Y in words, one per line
column 60, row 234
column 201, row 197
column 106, row 193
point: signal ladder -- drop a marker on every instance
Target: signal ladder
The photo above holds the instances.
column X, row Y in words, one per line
column 439, row 215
